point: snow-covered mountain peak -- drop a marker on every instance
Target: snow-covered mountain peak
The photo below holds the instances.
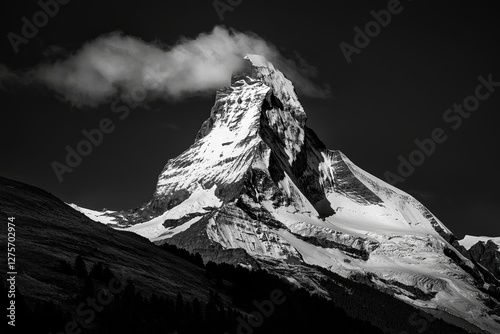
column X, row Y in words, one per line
column 258, row 187
column 265, row 71
column 260, row 69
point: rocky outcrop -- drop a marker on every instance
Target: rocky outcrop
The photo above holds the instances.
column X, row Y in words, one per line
column 486, row 253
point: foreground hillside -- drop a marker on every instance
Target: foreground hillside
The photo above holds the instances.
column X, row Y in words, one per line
column 48, row 232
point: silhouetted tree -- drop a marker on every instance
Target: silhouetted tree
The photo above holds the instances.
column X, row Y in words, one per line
column 97, row 271
column 65, row 267
column 80, row 267
column 179, row 305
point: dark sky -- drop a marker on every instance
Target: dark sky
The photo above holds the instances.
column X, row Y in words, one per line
column 394, row 91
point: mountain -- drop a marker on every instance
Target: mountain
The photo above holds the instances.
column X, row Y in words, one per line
column 483, row 251
column 259, row 189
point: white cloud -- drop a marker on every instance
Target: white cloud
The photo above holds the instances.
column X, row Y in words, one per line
column 115, row 63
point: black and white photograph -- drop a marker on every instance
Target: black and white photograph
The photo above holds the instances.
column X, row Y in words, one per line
column 250, row 167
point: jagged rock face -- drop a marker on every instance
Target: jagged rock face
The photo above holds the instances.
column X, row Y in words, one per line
column 483, row 251
column 347, row 183
column 258, row 188
column 488, row 255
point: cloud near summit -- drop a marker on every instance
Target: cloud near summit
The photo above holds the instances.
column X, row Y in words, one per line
column 114, row 63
